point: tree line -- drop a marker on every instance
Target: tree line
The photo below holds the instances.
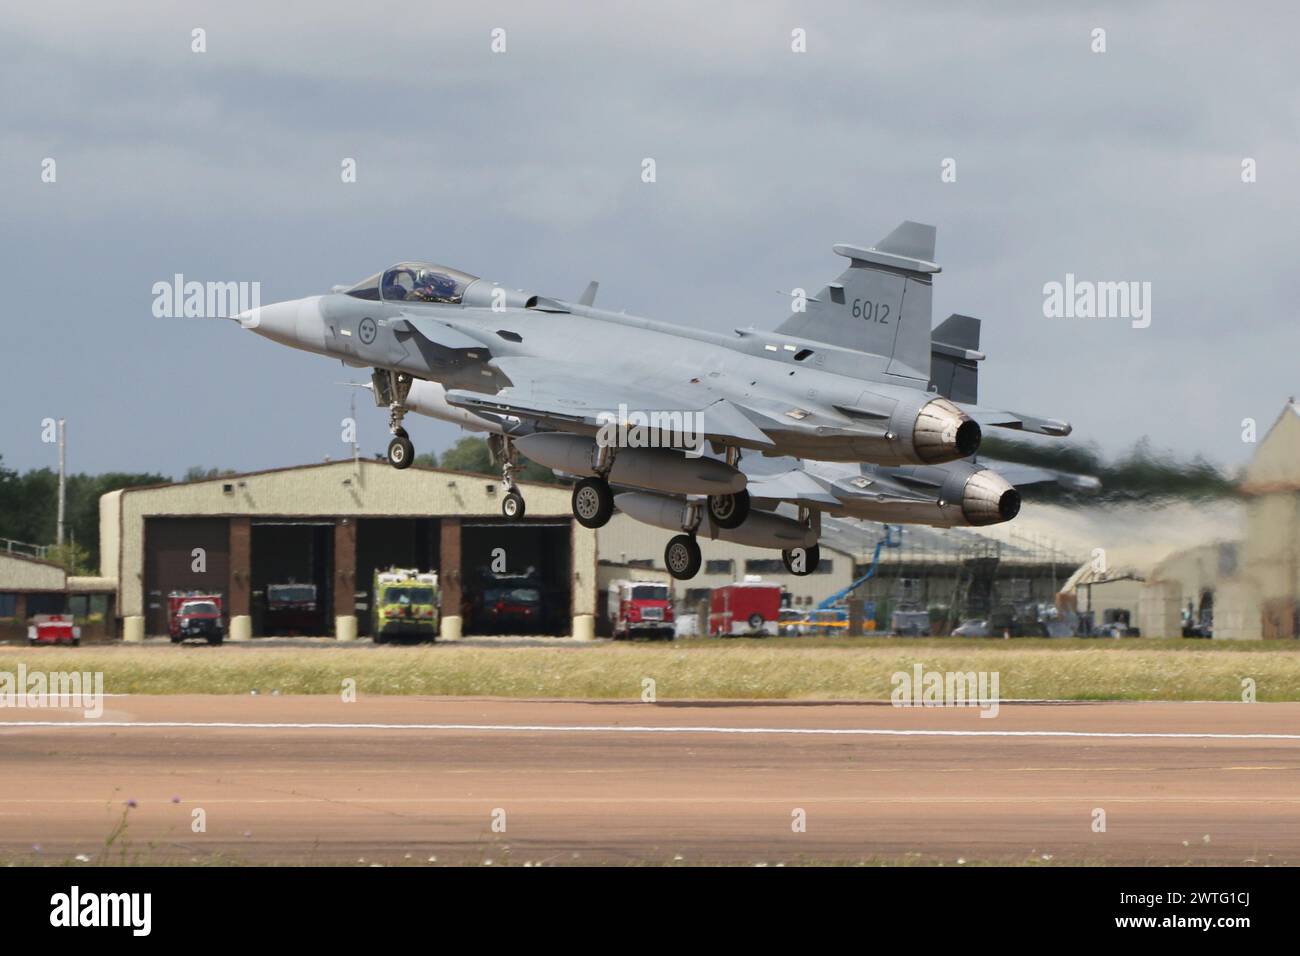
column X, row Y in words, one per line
column 29, row 505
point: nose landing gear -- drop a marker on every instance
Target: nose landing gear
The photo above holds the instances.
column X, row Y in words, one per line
column 391, row 389
column 502, row 449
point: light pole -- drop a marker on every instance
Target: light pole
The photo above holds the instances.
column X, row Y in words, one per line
column 63, row 479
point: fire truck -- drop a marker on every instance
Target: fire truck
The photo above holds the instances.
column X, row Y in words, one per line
column 750, row 607
column 291, row 609
column 405, row 605
column 641, row 608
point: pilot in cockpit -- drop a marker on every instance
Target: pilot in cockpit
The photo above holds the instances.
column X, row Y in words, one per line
column 434, row 287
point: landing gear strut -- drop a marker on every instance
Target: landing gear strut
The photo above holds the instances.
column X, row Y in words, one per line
column 391, row 389
column 502, row 449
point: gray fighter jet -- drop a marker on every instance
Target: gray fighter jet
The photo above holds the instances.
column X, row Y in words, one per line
column 615, row 399
column 789, row 496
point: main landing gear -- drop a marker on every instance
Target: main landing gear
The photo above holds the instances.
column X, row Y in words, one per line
column 593, row 501
column 729, row 511
column 682, row 557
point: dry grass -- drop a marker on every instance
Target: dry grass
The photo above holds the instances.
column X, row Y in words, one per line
column 807, row 669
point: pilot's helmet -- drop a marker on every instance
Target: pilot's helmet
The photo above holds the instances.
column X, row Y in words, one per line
column 439, row 285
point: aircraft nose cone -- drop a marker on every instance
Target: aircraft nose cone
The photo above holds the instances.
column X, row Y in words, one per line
column 297, row 322
column 988, row 498
column 277, row 320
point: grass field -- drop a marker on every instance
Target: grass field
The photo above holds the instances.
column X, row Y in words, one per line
column 792, row 669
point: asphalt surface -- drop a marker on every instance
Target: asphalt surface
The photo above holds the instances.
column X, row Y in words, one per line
column 400, row 780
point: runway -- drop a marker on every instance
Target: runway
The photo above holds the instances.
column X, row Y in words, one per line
column 405, row 781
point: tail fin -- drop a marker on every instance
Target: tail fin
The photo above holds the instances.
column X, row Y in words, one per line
column 954, row 373
column 880, row 304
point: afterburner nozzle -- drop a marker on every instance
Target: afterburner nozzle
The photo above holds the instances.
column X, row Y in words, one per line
column 988, row 498
column 943, row 432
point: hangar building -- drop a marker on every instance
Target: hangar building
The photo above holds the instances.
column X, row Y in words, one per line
column 315, row 534
column 30, row 585
column 1239, row 576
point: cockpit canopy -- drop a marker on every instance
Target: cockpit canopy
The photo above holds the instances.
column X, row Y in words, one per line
column 415, row 282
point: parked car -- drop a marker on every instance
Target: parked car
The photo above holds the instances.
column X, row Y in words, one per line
column 510, row 608
column 197, row 617
column 972, row 628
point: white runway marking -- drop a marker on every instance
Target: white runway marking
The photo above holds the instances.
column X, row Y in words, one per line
column 616, row 729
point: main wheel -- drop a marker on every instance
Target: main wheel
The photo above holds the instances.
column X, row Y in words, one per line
column 801, row 561
column 729, row 511
column 593, row 502
column 682, row 557
column 755, row 621
column 400, row 452
column 512, row 505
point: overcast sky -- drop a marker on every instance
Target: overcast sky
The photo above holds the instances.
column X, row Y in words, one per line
column 525, row 167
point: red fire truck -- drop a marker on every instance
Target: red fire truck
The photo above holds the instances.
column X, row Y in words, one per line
column 751, row 607
column 641, row 608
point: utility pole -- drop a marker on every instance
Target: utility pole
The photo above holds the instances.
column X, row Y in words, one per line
column 63, row 479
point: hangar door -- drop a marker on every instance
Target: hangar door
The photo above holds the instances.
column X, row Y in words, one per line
column 516, row 577
column 384, row 543
column 292, row 567
column 183, row 554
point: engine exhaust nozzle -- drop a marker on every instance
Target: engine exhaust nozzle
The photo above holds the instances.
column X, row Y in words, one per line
column 988, row 498
column 943, row 432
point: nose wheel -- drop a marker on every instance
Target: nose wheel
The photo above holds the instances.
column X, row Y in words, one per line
column 593, row 502
column 502, row 450
column 682, row 557
column 401, row 452
column 801, row 561
column 512, row 505
column 391, row 389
